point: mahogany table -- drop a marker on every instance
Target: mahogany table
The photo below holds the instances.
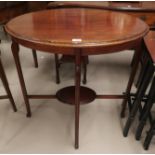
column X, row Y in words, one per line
column 77, row 32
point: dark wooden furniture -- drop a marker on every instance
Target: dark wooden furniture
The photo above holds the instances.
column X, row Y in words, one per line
column 6, row 86
column 147, row 78
column 150, row 98
column 67, row 58
column 141, row 9
column 76, row 32
column 146, row 75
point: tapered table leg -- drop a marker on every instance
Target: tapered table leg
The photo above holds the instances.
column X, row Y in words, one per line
column 35, row 58
column 6, row 86
column 77, row 94
column 137, row 56
column 15, row 51
column 57, row 68
column 85, row 70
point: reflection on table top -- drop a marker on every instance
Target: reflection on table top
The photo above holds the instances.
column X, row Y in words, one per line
column 76, row 27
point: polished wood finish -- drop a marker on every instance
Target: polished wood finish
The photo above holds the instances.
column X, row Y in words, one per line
column 77, row 32
column 141, row 9
column 65, row 25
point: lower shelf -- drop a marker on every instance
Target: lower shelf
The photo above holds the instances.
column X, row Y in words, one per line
column 67, row 95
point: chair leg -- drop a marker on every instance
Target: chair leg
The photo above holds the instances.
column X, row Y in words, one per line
column 57, row 68
column 35, row 58
column 6, row 86
column 149, row 136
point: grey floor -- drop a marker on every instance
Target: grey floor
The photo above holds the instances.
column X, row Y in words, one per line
column 51, row 127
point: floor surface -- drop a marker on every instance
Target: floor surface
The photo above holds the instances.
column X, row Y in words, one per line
column 51, row 127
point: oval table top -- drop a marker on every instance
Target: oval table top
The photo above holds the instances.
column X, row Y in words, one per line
column 76, row 28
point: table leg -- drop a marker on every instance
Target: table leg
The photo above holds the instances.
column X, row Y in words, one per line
column 57, row 65
column 138, row 53
column 35, row 58
column 15, row 51
column 6, row 86
column 85, row 70
column 77, row 95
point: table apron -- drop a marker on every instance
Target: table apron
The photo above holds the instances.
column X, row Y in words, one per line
column 85, row 51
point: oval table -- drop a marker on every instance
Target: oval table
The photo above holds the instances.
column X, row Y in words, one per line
column 77, row 32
